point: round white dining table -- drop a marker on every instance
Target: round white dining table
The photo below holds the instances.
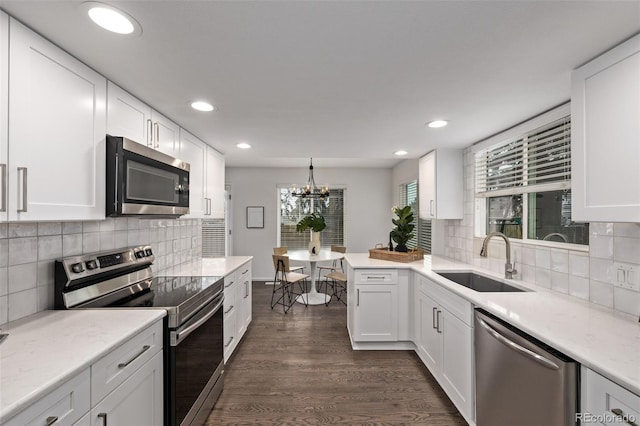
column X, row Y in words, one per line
column 314, row 297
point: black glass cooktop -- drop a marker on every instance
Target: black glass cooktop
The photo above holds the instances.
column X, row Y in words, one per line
column 180, row 296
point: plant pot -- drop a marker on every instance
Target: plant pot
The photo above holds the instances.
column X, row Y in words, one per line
column 314, row 244
column 402, row 248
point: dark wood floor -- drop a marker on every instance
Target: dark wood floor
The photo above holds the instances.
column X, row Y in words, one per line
column 299, row 369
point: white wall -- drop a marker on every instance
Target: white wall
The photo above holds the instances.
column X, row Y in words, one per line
column 368, row 201
column 403, row 172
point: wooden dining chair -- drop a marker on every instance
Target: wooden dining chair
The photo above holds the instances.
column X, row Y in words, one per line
column 285, row 282
column 283, row 251
column 336, row 278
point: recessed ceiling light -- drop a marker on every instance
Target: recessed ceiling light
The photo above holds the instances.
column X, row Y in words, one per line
column 437, row 123
column 202, row 106
column 243, row 145
column 112, row 19
column 400, row 153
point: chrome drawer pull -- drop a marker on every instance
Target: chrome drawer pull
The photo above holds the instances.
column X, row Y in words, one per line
column 627, row 419
column 433, row 318
column 124, row 364
column 23, row 170
column 103, row 416
column 230, row 284
column 51, row 420
column 228, row 310
column 3, row 167
column 229, row 342
column 375, row 277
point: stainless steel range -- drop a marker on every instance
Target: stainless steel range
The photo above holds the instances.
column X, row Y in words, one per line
column 193, row 343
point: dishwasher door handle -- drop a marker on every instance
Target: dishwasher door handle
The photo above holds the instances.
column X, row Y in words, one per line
column 516, row 347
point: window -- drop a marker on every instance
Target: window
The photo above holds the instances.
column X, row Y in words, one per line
column 523, row 186
column 213, row 237
column 422, row 237
column 292, row 209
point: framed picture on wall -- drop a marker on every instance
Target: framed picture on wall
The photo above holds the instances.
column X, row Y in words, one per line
column 255, row 217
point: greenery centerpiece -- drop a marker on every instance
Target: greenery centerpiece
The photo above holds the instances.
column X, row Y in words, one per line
column 403, row 231
column 316, row 223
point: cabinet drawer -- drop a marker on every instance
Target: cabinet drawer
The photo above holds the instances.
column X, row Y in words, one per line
column 453, row 303
column 376, row 276
column 244, row 272
column 67, row 404
column 608, row 401
column 229, row 303
column 113, row 369
column 229, row 281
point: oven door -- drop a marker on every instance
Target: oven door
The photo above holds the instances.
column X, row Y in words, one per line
column 195, row 365
column 143, row 181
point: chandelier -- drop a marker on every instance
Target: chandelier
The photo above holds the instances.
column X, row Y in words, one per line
column 310, row 190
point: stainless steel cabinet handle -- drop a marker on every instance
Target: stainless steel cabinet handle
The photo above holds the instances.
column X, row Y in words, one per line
column 438, row 321
column 3, row 201
column 228, row 310
column 246, row 289
column 144, row 349
column 51, row 420
column 23, row 170
column 375, row 277
column 149, row 133
column 157, row 138
column 103, row 416
column 431, row 203
column 433, row 318
column 620, row 413
column 516, row 347
column 229, row 285
column 358, row 297
column 229, row 342
column 245, row 271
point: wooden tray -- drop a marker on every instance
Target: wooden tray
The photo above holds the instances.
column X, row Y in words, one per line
column 396, row 256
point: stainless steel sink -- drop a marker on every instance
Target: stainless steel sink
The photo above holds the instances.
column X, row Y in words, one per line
column 478, row 282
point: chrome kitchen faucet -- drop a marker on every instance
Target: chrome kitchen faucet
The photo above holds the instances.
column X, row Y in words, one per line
column 509, row 270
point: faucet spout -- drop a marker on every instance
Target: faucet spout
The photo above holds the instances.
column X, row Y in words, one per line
column 509, row 270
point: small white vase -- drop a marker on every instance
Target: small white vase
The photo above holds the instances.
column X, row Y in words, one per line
column 314, row 244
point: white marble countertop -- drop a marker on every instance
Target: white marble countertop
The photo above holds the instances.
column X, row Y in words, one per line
column 48, row 348
column 600, row 338
column 218, row 266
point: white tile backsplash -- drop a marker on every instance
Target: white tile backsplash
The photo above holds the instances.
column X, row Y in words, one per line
column 585, row 274
column 28, row 252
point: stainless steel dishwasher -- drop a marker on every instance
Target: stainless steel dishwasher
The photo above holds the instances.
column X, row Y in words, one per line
column 520, row 380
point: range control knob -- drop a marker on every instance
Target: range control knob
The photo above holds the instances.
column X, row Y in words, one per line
column 148, row 252
column 91, row 264
column 77, row 268
column 139, row 254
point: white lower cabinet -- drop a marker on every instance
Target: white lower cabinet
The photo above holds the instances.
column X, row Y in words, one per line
column 124, row 387
column 376, row 313
column 604, row 402
column 237, row 307
column 137, row 401
column 444, row 341
column 64, row 406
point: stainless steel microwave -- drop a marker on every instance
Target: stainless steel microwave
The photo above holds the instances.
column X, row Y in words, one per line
column 144, row 182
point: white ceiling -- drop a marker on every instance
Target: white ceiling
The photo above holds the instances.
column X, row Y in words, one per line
column 345, row 82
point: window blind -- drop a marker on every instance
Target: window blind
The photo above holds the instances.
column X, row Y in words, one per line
column 213, row 238
column 524, row 164
column 293, row 209
column 422, row 231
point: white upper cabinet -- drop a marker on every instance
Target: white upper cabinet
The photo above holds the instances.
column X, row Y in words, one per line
column 440, row 184
column 57, row 127
column 131, row 118
column 605, row 142
column 4, row 112
column 214, row 196
column 194, row 152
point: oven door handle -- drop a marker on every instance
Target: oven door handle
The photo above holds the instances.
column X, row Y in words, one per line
column 181, row 334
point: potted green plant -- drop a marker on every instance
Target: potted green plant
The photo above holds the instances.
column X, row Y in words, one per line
column 403, row 231
column 316, row 223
